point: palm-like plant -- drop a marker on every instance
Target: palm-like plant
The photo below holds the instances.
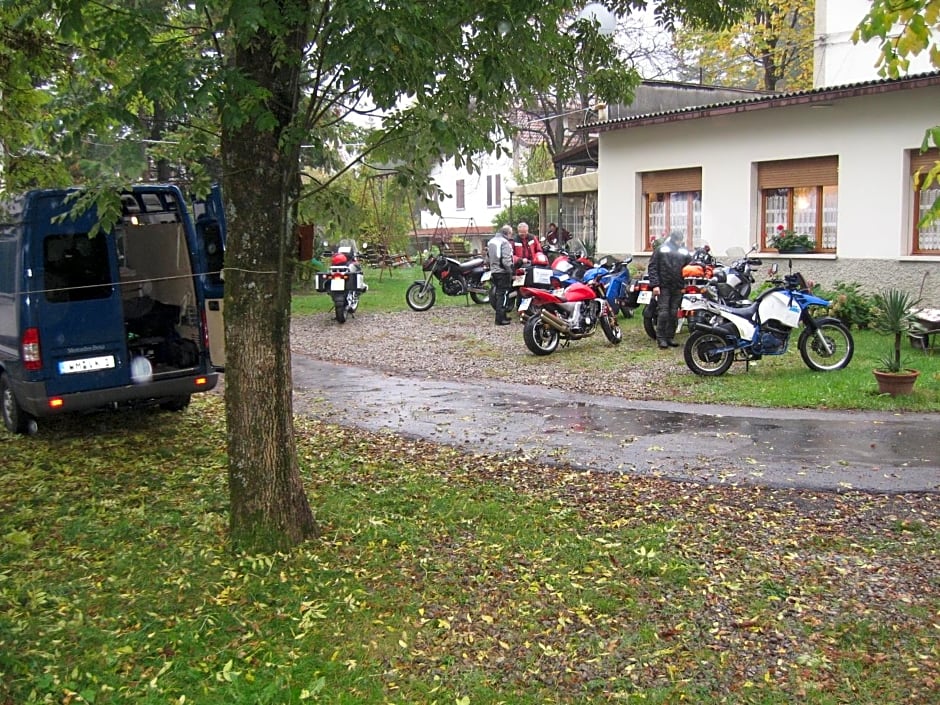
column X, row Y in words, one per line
column 895, row 315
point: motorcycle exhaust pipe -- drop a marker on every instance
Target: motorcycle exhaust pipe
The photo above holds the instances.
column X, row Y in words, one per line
column 554, row 321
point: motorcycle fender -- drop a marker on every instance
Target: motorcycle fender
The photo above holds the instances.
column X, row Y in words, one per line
column 541, row 296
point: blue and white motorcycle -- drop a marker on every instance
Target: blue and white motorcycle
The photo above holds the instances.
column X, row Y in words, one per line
column 763, row 328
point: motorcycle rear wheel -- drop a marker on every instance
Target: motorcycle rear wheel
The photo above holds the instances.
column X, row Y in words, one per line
column 833, row 352
column 611, row 328
column 650, row 313
column 420, row 298
column 700, row 355
column 540, row 337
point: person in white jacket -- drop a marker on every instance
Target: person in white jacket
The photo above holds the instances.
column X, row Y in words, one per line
column 499, row 251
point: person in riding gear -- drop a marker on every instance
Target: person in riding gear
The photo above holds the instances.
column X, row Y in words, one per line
column 526, row 246
column 665, row 273
column 499, row 251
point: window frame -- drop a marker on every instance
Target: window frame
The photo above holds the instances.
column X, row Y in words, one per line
column 819, row 176
column 460, row 194
column 666, row 185
column 922, row 162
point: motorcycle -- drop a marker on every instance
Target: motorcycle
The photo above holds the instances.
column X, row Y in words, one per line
column 732, row 287
column 617, row 285
column 764, row 327
column 729, row 285
column 344, row 281
column 456, row 279
column 567, row 314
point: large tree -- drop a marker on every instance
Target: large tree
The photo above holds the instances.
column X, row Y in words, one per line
column 273, row 78
column 770, row 49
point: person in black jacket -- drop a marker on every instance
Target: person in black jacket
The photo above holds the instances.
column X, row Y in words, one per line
column 665, row 270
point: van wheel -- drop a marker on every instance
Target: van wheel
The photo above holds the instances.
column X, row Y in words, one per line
column 175, row 403
column 14, row 418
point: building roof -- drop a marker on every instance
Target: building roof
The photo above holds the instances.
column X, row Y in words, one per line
column 621, row 117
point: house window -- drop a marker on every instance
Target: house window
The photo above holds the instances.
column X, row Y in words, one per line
column 673, row 201
column 494, row 191
column 927, row 239
column 460, row 195
column 801, row 195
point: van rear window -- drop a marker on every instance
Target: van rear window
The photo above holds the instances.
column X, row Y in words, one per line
column 76, row 268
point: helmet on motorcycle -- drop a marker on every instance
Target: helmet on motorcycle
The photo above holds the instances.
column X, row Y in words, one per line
column 720, row 276
column 339, row 258
column 540, row 259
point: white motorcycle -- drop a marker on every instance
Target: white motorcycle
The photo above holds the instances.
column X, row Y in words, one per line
column 763, row 328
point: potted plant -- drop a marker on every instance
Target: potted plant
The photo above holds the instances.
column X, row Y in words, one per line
column 894, row 315
column 791, row 241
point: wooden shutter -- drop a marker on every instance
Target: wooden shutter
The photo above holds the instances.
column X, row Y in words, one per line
column 923, row 162
column 460, row 194
column 796, row 173
column 673, row 181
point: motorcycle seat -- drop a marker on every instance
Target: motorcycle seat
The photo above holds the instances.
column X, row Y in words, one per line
column 471, row 264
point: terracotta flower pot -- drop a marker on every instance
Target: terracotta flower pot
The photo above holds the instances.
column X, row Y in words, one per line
column 896, row 383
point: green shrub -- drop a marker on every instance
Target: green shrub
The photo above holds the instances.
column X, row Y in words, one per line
column 849, row 304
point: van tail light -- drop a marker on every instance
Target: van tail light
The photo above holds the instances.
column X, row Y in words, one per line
column 29, row 348
column 205, row 329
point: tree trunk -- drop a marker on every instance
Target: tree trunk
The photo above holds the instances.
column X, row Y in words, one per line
column 269, row 510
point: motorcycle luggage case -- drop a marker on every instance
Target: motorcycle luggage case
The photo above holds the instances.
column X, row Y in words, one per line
column 538, row 277
column 325, row 282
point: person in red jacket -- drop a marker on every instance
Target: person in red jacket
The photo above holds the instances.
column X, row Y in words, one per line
column 526, row 246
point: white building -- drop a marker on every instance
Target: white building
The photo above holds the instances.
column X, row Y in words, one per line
column 835, row 163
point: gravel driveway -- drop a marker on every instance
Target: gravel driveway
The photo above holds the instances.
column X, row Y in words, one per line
column 461, row 342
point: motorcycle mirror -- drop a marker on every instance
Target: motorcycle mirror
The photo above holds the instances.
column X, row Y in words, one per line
column 774, row 268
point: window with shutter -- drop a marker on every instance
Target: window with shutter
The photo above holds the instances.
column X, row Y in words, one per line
column 460, row 195
column 673, row 201
column 801, row 195
column 926, row 239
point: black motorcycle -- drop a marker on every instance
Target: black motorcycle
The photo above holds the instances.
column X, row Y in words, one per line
column 344, row 281
column 456, row 279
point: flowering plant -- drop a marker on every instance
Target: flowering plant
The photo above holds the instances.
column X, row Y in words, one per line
column 785, row 239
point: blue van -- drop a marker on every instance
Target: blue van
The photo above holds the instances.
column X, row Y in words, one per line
column 116, row 318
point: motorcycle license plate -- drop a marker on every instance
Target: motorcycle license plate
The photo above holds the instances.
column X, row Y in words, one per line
column 518, row 281
column 485, row 277
column 645, row 297
column 338, row 285
column 524, row 304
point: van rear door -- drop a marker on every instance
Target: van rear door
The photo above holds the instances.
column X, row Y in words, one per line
column 210, row 236
column 81, row 320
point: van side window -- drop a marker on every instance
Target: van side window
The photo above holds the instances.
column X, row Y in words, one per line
column 76, row 268
column 8, row 253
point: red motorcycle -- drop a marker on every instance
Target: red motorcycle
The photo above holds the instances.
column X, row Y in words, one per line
column 567, row 314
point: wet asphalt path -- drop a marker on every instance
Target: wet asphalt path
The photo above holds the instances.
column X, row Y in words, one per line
column 819, row 450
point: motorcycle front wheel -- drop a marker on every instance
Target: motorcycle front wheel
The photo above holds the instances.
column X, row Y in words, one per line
column 540, row 337
column 611, row 328
column 830, row 347
column 701, row 356
column 420, row 297
column 479, row 298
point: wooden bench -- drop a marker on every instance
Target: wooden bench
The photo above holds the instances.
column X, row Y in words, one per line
column 456, row 249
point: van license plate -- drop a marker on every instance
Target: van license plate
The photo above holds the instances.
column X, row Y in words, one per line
column 88, row 364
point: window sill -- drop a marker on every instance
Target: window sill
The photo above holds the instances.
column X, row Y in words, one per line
column 794, row 255
column 920, row 258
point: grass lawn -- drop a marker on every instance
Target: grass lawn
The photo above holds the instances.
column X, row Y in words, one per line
column 454, row 578
column 447, row 578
